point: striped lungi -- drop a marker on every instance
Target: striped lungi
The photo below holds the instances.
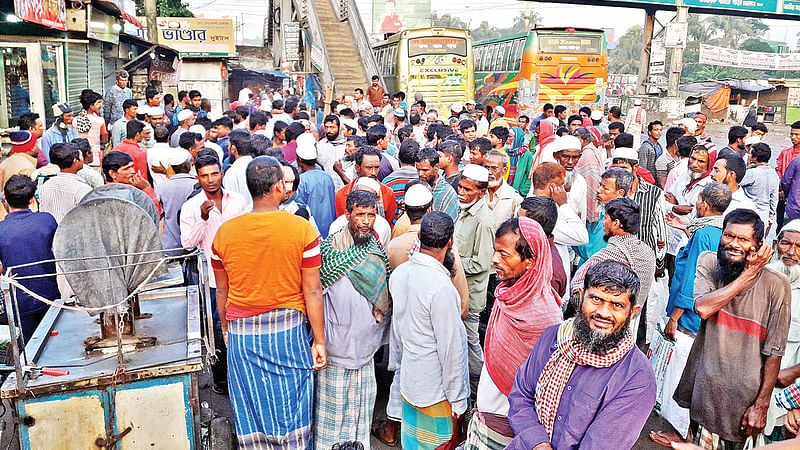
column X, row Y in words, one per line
column 270, row 380
column 426, row 428
column 480, row 436
column 345, row 400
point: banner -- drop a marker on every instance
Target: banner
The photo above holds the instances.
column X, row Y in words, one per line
column 50, row 13
column 742, row 59
column 389, row 16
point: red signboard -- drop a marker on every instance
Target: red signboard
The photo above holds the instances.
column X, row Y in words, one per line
column 50, row 13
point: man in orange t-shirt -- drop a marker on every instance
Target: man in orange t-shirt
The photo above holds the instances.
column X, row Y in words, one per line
column 266, row 264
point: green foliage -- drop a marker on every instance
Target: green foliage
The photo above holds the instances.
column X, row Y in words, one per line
column 719, row 30
column 624, row 58
column 166, row 8
column 484, row 30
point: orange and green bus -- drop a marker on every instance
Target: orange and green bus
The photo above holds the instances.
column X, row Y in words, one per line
column 524, row 71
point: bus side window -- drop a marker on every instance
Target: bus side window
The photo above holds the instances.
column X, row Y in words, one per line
column 519, row 46
column 500, row 56
column 488, row 60
column 476, row 57
column 393, row 60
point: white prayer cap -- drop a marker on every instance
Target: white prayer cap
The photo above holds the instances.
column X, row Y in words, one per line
column 596, row 115
column 370, row 183
column 500, row 110
column 637, row 101
column 178, row 156
column 341, row 107
column 476, row 172
column 554, row 121
column 306, row 149
column 418, row 195
column 688, row 123
column 625, row 153
column 277, row 97
column 142, row 110
column 308, row 144
column 199, row 129
column 794, row 225
column 469, row 102
column 400, row 112
column 155, row 111
column 750, row 140
column 184, row 114
column 567, row 142
column 351, row 123
column 456, row 107
column 265, row 106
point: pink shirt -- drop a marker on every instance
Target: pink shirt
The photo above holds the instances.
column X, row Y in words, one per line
column 94, row 134
column 196, row 231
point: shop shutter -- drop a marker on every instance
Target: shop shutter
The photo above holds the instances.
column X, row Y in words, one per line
column 77, row 78
column 95, row 67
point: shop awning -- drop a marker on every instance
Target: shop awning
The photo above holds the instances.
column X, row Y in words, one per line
column 146, row 47
column 127, row 17
column 712, row 86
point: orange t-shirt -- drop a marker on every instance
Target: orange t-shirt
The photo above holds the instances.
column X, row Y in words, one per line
column 263, row 255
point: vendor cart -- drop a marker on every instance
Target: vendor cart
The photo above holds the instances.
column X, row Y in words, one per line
column 115, row 367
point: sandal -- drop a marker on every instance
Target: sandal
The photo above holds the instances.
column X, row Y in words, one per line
column 377, row 431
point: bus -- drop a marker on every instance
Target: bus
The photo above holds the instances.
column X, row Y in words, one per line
column 435, row 62
column 524, row 71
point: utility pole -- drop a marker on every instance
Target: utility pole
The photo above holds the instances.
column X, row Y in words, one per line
column 676, row 63
column 644, row 62
column 150, row 14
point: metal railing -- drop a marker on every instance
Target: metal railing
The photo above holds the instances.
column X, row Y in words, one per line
column 308, row 11
column 361, row 39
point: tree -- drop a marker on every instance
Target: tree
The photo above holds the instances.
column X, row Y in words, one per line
column 624, row 58
column 166, row 8
column 446, row 20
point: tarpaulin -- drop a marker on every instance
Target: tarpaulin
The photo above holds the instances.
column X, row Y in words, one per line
column 719, row 100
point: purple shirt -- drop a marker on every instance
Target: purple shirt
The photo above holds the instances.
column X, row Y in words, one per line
column 598, row 406
column 791, row 187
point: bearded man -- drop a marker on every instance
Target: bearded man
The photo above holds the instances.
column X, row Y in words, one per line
column 682, row 195
column 585, row 383
column 330, row 149
column 621, row 223
column 474, row 240
column 525, row 305
column 735, row 359
column 354, row 276
column 788, row 263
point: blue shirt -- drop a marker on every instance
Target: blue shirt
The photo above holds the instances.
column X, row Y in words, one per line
column 598, row 406
column 681, row 293
column 56, row 135
column 597, row 239
column 27, row 237
column 317, row 191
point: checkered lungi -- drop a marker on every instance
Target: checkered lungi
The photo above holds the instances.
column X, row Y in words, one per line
column 345, row 399
column 426, row 428
column 270, row 380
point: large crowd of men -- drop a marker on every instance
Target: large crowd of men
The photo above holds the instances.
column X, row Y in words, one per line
column 511, row 277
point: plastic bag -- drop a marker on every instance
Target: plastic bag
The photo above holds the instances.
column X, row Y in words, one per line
column 659, row 354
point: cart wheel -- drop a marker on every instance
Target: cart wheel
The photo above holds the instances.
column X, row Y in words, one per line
column 222, row 436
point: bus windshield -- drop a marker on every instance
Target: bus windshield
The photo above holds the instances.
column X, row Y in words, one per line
column 570, row 43
column 435, row 45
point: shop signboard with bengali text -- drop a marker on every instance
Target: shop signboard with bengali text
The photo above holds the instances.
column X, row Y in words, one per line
column 50, row 13
column 196, row 37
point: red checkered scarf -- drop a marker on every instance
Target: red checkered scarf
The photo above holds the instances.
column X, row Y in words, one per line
column 559, row 368
column 522, row 311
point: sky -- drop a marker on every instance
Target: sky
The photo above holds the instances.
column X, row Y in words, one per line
column 499, row 13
